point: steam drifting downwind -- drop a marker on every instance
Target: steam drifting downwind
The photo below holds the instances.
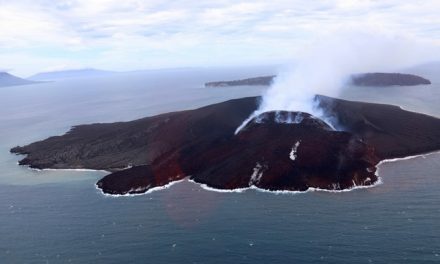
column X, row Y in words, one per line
column 325, row 67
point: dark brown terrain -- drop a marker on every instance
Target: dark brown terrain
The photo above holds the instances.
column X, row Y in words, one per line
column 269, row 152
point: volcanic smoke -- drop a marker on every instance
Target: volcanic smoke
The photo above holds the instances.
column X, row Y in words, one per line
column 325, row 66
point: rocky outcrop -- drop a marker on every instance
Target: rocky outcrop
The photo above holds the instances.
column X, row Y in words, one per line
column 275, row 151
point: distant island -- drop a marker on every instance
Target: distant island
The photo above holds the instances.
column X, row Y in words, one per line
column 7, row 79
column 263, row 80
column 388, row 79
column 365, row 79
column 275, row 151
column 70, row 74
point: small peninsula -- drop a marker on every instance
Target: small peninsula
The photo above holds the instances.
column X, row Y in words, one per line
column 364, row 79
column 272, row 152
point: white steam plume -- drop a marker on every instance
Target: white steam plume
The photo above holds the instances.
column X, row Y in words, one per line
column 325, row 66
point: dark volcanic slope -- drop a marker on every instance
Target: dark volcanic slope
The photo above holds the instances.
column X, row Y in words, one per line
column 268, row 153
column 118, row 145
column 263, row 80
column 392, row 131
column 387, row 79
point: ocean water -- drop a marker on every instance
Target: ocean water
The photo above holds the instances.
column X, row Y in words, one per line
column 59, row 216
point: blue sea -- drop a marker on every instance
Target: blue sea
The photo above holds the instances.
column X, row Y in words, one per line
column 59, row 216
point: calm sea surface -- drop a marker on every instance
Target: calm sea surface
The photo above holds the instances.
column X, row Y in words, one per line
column 59, row 216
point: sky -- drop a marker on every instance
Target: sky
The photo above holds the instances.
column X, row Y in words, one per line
column 47, row 35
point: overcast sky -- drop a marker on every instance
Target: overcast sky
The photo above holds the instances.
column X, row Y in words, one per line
column 44, row 35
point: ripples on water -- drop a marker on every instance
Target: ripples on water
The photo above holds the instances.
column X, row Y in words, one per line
column 59, row 216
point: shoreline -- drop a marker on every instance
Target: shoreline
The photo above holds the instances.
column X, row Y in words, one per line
column 282, row 192
column 278, row 192
column 69, row 169
column 408, row 157
column 78, row 170
column 154, row 189
column 239, row 190
column 243, row 190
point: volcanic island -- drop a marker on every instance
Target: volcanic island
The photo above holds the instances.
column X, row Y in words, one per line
column 276, row 151
column 374, row 79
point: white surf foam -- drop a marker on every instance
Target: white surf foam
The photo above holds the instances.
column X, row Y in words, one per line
column 78, row 170
column 207, row 188
column 253, row 187
column 240, row 190
column 409, row 157
column 404, row 158
column 355, row 187
column 154, row 189
column 310, row 189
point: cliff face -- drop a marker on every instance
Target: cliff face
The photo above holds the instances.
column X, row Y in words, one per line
column 269, row 152
column 388, row 79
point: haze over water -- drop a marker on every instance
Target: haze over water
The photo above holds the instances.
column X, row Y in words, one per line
column 59, row 216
